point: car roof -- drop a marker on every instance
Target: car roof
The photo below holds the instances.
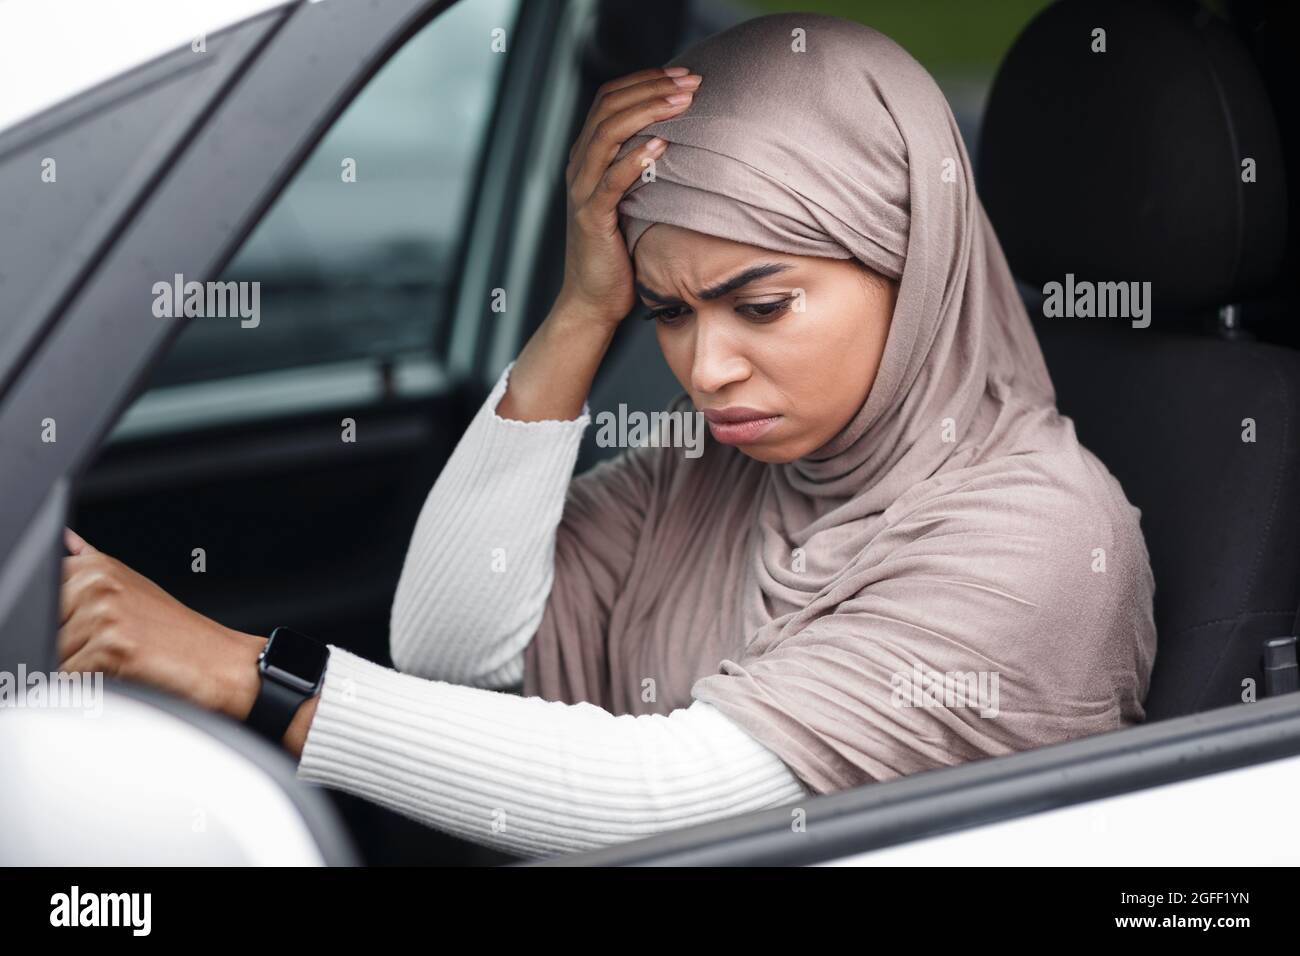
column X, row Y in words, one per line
column 51, row 50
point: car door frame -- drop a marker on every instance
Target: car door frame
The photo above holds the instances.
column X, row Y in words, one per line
column 218, row 171
column 935, row 803
column 38, row 479
column 275, row 433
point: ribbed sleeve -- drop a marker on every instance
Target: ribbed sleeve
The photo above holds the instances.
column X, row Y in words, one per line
column 526, row 775
column 480, row 563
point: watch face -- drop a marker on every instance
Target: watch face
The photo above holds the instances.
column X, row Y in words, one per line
column 295, row 659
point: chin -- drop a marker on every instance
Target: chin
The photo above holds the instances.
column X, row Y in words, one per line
column 772, row 455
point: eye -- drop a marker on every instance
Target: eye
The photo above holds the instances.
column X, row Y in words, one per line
column 666, row 316
column 766, row 311
column 758, row 312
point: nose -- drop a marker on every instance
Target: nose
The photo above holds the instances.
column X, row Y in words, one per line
column 718, row 361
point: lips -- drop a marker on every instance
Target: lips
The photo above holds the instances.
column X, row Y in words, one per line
column 739, row 425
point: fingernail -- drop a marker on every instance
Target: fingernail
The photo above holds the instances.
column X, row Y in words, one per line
column 676, row 70
column 688, row 81
column 655, row 144
column 677, row 99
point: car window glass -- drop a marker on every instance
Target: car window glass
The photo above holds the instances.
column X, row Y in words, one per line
column 356, row 258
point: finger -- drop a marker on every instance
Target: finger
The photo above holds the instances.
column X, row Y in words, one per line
column 88, row 660
column 75, row 542
column 609, row 139
column 79, row 562
column 604, row 102
column 73, row 635
column 640, row 76
column 609, row 101
column 648, row 73
column 77, row 589
column 86, row 576
column 609, row 191
column 615, row 101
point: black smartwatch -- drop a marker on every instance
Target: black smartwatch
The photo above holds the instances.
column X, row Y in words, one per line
column 292, row 666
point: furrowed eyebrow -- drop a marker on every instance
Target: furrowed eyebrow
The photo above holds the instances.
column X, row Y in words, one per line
column 760, row 271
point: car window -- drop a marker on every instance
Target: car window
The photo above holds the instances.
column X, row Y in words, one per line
column 68, row 174
column 352, row 268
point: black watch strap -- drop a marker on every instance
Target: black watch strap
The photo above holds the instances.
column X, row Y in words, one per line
column 274, row 708
column 292, row 669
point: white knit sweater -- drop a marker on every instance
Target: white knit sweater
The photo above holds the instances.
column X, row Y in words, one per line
column 525, row 775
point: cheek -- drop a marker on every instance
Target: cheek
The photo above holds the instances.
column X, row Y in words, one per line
column 826, row 370
column 828, row 359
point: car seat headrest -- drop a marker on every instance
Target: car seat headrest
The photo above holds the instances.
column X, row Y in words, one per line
column 1135, row 141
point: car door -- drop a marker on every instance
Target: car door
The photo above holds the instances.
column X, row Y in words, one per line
column 271, row 468
column 60, row 221
column 326, row 153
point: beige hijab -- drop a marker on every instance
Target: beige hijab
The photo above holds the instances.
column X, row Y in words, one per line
column 953, row 575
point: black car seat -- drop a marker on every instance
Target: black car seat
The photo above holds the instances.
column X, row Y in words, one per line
column 1128, row 155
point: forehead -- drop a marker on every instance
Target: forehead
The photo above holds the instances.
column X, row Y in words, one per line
column 664, row 240
column 673, row 253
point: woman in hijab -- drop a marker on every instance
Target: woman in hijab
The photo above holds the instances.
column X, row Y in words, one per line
column 892, row 554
